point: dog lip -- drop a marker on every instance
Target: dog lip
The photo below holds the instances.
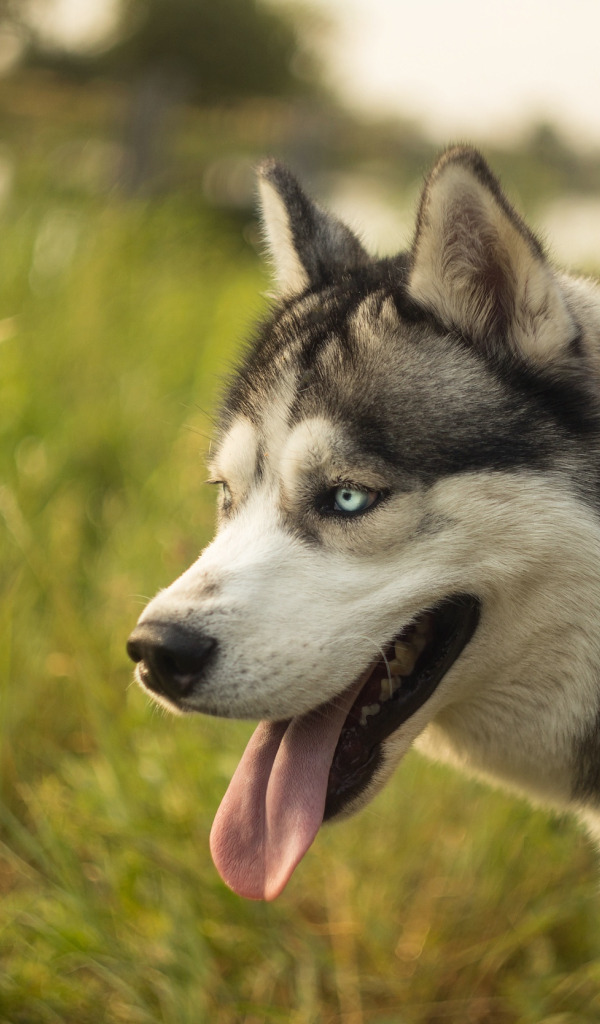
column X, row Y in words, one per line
column 359, row 750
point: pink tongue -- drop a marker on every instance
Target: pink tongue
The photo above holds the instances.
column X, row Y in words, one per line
column 274, row 806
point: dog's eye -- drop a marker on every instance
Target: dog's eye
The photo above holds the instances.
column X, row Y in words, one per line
column 226, row 502
column 226, row 499
column 352, row 500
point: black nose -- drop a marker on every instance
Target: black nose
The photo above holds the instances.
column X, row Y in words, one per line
column 172, row 659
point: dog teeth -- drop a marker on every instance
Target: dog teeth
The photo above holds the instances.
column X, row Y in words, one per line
column 389, row 685
column 369, row 709
column 402, row 665
column 406, row 657
column 385, row 689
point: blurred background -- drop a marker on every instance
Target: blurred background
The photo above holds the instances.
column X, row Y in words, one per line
column 130, row 273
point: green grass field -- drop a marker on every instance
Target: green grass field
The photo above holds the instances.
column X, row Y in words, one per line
column 442, row 902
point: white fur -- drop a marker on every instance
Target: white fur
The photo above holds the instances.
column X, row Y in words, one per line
column 290, row 275
column 237, row 456
column 297, row 625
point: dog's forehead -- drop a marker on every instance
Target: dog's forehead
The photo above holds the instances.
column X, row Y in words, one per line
column 316, row 348
column 307, row 337
column 289, row 397
column 392, row 387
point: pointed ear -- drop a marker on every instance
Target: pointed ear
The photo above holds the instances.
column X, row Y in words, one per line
column 308, row 246
column 480, row 270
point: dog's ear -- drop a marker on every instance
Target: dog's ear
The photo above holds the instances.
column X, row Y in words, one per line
column 479, row 268
column 308, row 246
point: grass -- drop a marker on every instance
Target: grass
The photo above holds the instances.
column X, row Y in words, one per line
column 442, row 902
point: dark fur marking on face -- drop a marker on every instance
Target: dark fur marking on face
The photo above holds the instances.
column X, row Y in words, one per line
column 528, row 415
column 586, row 785
column 568, row 401
column 259, row 466
column 575, row 348
column 278, row 334
column 211, row 588
column 432, row 524
column 531, row 416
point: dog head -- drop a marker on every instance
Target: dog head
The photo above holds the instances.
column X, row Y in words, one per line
column 401, row 535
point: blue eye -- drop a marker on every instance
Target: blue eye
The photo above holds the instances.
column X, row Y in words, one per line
column 351, row 500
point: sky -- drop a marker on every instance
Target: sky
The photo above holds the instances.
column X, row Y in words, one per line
column 471, row 69
column 464, row 66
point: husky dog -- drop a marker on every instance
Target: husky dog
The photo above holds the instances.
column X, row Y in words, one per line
column 408, row 547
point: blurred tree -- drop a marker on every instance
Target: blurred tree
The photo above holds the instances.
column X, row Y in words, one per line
column 166, row 51
column 209, row 50
column 10, row 10
column 218, row 48
column 14, row 35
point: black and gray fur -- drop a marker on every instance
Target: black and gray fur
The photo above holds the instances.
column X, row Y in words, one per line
column 459, row 381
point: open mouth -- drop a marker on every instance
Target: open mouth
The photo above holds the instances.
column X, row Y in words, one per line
column 402, row 679
column 295, row 774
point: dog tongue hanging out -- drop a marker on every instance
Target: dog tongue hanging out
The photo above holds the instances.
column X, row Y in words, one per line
column 409, row 539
